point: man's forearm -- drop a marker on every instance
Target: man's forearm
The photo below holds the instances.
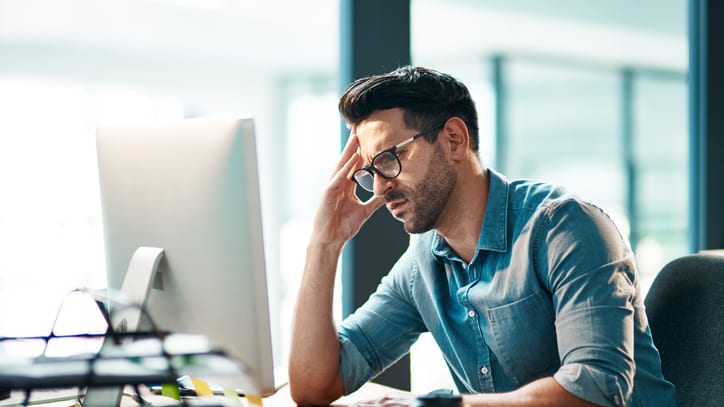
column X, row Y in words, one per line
column 314, row 357
column 544, row 392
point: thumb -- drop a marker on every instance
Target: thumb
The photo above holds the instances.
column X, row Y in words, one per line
column 374, row 203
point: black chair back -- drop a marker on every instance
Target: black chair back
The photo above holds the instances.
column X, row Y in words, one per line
column 685, row 308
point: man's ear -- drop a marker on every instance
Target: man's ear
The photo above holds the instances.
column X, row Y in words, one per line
column 457, row 137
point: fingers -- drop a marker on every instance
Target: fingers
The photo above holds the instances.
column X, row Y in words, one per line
column 347, row 168
column 374, row 203
column 349, row 149
column 349, row 160
column 392, row 400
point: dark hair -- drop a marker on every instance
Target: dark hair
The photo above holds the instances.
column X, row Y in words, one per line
column 427, row 98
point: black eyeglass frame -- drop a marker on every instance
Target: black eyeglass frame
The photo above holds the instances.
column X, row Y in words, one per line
column 371, row 170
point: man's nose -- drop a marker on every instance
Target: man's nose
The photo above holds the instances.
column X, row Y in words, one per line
column 381, row 185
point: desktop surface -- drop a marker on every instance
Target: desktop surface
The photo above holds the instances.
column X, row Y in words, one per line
column 67, row 397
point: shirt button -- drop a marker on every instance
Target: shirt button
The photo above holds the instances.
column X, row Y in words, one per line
column 471, row 313
column 484, row 370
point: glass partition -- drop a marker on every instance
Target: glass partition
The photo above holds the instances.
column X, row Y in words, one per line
column 68, row 66
column 592, row 97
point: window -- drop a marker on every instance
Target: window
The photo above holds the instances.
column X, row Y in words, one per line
column 592, row 97
column 73, row 66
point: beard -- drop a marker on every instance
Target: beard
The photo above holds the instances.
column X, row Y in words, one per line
column 428, row 198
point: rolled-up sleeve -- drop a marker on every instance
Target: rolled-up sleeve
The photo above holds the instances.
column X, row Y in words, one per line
column 353, row 366
column 592, row 384
column 589, row 269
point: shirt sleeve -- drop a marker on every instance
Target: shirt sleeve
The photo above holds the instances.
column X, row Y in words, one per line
column 590, row 272
column 382, row 330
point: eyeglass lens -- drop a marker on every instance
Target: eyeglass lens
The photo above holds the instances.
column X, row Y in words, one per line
column 364, row 179
column 385, row 163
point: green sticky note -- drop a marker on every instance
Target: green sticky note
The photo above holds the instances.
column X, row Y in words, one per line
column 171, row 390
column 232, row 396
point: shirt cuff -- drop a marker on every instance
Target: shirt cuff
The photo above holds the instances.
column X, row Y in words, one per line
column 353, row 367
column 593, row 385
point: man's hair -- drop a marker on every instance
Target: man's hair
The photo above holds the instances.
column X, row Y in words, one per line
column 426, row 97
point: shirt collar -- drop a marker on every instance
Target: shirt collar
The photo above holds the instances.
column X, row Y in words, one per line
column 494, row 234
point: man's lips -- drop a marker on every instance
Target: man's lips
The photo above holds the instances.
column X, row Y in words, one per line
column 395, row 207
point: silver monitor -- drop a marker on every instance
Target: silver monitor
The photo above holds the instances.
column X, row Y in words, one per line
column 191, row 189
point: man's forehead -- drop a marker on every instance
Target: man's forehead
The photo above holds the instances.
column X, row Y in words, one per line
column 373, row 137
column 370, row 130
column 380, row 131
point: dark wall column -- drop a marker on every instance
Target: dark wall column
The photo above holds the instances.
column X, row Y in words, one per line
column 374, row 38
column 706, row 94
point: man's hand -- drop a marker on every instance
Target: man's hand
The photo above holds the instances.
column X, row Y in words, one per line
column 340, row 213
column 389, row 400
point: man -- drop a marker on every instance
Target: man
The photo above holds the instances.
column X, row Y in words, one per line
column 531, row 293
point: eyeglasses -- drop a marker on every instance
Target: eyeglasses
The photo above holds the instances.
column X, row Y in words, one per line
column 386, row 163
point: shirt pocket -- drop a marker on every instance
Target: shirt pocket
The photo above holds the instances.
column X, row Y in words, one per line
column 523, row 337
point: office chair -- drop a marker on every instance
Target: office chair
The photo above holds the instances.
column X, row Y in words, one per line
column 685, row 308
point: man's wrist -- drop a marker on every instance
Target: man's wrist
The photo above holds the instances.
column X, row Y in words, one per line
column 324, row 247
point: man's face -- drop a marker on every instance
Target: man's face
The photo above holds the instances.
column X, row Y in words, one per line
column 419, row 195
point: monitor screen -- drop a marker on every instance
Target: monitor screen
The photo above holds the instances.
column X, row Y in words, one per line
column 191, row 188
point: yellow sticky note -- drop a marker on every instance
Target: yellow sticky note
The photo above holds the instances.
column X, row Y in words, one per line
column 202, row 388
column 254, row 400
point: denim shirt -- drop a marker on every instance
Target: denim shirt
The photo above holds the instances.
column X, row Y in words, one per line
column 551, row 291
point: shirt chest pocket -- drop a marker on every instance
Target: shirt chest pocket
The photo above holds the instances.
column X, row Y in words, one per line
column 523, row 337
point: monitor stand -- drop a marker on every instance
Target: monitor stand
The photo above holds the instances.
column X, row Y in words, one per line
column 136, row 287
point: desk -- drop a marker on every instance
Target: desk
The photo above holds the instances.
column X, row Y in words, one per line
column 369, row 391
column 281, row 398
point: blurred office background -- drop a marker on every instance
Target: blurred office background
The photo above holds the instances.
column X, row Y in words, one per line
column 592, row 95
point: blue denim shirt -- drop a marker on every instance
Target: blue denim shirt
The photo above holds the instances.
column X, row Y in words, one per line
column 552, row 291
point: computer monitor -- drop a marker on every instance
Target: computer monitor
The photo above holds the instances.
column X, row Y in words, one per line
column 191, row 189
